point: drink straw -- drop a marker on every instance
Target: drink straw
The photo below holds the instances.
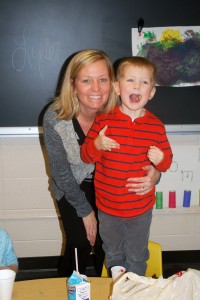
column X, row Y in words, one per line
column 76, row 258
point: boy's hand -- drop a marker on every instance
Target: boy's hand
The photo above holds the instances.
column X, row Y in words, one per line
column 102, row 142
column 155, row 155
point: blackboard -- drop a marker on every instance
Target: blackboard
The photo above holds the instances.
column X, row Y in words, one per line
column 38, row 36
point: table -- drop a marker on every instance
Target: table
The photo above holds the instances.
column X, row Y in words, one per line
column 55, row 289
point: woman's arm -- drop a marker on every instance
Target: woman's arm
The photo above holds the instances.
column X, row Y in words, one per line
column 65, row 181
column 142, row 185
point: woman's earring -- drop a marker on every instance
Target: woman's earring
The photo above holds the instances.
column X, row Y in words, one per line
column 119, row 100
column 76, row 99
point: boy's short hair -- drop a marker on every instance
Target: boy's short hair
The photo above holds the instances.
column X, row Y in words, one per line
column 137, row 61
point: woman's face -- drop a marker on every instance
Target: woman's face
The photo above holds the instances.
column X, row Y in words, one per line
column 92, row 86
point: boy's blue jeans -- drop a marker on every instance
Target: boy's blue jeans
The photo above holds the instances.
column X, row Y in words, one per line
column 125, row 241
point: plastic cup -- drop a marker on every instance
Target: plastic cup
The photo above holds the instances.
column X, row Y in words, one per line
column 172, row 199
column 117, row 271
column 186, row 198
column 159, row 200
column 7, row 278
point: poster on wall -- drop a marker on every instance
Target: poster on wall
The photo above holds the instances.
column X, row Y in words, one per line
column 174, row 50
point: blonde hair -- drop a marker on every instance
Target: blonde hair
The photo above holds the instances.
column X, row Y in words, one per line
column 66, row 103
column 137, row 61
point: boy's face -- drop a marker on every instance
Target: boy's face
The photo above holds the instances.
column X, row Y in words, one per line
column 135, row 88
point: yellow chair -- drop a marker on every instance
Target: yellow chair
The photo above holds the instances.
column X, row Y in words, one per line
column 154, row 263
column 104, row 272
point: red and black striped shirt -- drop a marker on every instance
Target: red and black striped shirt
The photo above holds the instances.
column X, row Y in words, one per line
column 114, row 167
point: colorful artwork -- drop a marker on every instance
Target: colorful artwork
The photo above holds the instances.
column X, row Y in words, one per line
column 174, row 50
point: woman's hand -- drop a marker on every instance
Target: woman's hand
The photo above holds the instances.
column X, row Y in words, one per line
column 143, row 185
column 90, row 224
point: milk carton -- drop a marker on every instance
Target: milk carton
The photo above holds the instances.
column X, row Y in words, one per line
column 78, row 287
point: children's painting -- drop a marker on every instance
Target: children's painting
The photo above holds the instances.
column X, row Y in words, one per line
column 174, row 50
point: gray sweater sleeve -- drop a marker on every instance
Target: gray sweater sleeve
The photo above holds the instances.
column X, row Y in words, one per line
column 64, row 182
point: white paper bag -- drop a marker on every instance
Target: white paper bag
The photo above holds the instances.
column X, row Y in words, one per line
column 182, row 286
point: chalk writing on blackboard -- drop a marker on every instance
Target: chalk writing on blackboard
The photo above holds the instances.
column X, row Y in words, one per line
column 25, row 54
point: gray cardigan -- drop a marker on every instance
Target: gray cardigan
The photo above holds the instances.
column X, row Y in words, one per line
column 67, row 168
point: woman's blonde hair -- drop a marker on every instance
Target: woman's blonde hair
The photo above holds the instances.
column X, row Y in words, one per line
column 66, row 103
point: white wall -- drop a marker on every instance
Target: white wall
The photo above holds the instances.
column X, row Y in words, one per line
column 184, row 172
column 28, row 211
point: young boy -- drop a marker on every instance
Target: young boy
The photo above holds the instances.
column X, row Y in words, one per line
column 121, row 143
column 8, row 258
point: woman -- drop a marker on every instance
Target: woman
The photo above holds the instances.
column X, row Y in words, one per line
column 86, row 91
